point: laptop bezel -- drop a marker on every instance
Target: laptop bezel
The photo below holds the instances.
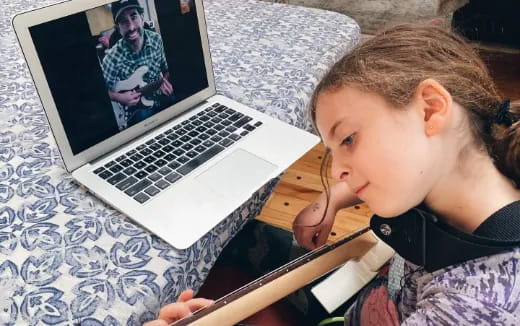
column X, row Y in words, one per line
column 23, row 21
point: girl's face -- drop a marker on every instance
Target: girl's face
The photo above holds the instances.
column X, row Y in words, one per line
column 381, row 152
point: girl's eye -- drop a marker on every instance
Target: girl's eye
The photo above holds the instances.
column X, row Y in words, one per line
column 349, row 140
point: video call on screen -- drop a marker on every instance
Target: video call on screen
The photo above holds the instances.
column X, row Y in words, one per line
column 86, row 57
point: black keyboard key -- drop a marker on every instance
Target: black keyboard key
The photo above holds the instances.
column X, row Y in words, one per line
column 201, row 129
column 197, row 122
column 116, row 178
column 185, row 122
column 208, row 124
column 172, row 136
column 164, row 141
column 150, row 142
column 226, row 142
column 189, row 127
column 139, row 165
column 99, row 170
column 168, row 148
column 258, row 123
column 136, row 157
column 150, row 168
column 226, row 123
column 178, row 152
column 126, row 163
column 161, row 136
column 193, row 133
column 177, row 127
column 180, row 132
column 203, row 136
column 137, row 187
column 185, row 138
column 187, row 147
column 191, row 154
column 176, row 143
column 165, row 170
column 242, row 121
column 110, row 164
column 167, row 132
column 126, row 183
column 216, row 120
column 243, row 133
column 220, row 108
column 141, row 198
column 152, row 191
column 195, row 141
column 141, row 147
column 154, row 147
column 131, row 152
column 249, row 127
column 116, row 168
column 169, row 157
column 149, row 159
column 223, row 133
column 146, row 152
column 130, row 170
column 183, row 159
column 216, row 105
column 211, row 132
column 159, row 154
column 163, row 184
column 219, row 127
column 216, row 138
column 223, row 115
column 174, row 165
column 196, row 162
column 154, row 177
column 204, row 118
column 208, row 143
column 200, row 149
column 230, row 111
column 160, row 163
column 120, row 158
column 140, row 174
column 212, row 114
column 235, row 137
column 235, row 117
column 172, row 177
column 106, row 174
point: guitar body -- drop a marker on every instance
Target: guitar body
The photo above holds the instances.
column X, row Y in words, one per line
column 134, row 83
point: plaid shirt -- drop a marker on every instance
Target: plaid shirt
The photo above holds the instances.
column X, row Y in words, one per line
column 121, row 61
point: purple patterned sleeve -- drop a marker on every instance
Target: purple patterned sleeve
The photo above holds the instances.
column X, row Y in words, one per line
column 483, row 291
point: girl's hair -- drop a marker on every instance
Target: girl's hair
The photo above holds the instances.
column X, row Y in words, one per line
column 394, row 62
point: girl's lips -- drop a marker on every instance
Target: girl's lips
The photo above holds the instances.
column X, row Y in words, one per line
column 360, row 189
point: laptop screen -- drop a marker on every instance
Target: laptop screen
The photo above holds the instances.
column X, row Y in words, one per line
column 113, row 66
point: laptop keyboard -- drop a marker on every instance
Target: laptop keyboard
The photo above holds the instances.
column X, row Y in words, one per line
column 152, row 167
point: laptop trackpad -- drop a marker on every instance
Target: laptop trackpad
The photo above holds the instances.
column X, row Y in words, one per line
column 239, row 173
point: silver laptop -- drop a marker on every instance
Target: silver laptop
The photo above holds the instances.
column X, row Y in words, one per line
column 129, row 92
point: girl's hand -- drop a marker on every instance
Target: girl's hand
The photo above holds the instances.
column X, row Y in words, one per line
column 184, row 306
column 307, row 233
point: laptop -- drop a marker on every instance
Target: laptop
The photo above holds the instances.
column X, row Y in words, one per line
column 129, row 93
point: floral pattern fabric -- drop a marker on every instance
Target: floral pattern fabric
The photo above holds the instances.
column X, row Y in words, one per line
column 65, row 257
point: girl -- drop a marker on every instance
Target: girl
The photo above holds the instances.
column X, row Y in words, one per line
column 416, row 129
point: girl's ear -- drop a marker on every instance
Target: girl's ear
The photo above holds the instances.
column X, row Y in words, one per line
column 435, row 105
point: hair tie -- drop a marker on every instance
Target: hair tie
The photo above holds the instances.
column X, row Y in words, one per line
column 503, row 116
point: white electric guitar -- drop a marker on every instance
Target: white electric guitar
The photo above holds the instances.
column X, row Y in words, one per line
column 136, row 83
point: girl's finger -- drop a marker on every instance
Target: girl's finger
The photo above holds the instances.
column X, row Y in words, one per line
column 185, row 295
column 174, row 311
column 198, row 303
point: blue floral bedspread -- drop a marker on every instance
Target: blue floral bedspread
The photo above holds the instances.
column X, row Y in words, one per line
column 65, row 257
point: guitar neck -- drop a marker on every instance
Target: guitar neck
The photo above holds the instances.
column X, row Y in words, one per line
column 273, row 286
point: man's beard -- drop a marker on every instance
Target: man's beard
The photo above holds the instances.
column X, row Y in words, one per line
column 139, row 31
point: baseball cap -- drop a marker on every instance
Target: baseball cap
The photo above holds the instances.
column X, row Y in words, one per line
column 120, row 6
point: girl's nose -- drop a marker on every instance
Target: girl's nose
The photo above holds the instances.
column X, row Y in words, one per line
column 339, row 170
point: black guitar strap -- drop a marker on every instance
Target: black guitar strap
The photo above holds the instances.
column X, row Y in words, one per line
column 421, row 238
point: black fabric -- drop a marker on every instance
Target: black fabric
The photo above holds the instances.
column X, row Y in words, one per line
column 420, row 237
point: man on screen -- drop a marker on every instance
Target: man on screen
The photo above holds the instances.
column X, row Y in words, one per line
column 135, row 68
